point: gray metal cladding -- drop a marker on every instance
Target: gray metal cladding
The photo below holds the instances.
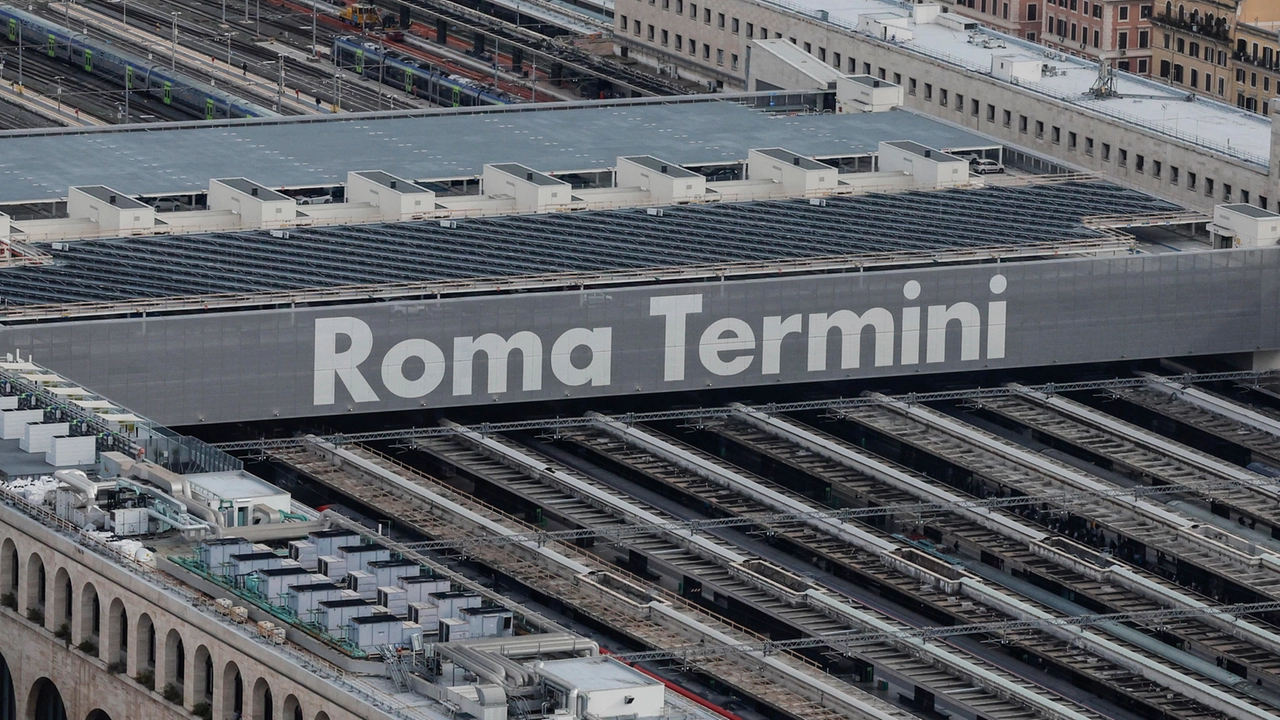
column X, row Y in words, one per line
column 224, row 367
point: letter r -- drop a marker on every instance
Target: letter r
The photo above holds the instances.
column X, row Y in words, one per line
column 331, row 365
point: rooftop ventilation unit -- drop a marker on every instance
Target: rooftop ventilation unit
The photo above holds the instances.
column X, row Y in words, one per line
column 448, row 223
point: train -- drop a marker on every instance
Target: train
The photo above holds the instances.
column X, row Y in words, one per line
column 405, row 73
column 95, row 57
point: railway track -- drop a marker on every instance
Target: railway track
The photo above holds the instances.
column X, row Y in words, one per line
column 1133, row 688
column 680, row 560
column 643, row 629
column 91, row 94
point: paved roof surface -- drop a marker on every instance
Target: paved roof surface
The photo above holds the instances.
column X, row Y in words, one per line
column 432, row 144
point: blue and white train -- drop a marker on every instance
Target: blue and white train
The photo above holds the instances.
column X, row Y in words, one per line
column 96, row 57
column 405, row 73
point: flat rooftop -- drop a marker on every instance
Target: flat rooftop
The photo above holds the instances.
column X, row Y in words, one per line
column 1214, row 125
column 234, row 485
column 437, row 144
column 308, row 258
column 595, row 673
column 1250, row 210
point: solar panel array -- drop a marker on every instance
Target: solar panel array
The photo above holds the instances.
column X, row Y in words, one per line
column 162, row 266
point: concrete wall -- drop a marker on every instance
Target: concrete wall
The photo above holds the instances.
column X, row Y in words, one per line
column 995, row 100
column 106, row 677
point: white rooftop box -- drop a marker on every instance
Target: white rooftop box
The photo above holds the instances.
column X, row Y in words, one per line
column 72, row 451
column 797, row 174
column 394, row 197
column 114, row 212
column 864, row 93
column 532, row 190
column 38, row 436
column 1245, row 226
column 666, row 182
column 929, row 167
column 1012, row 68
column 605, row 687
column 258, row 206
column 13, row 423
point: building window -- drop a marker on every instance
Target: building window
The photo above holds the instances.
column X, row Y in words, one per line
column 1191, row 181
column 679, row 7
column 1177, row 73
column 1008, row 118
column 1173, row 174
column 853, row 68
column 664, row 37
column 822, row 53
column 928, row 90
column 1253, row 79
column 706, row 51
column 1124, row 12
column 720, row 20
column 733, row 26
column 693, row 46
column 650, row 34
column 1195, row 77
column 942, row 97
column 1139, row 163
column 991, row 113
column 882, row 74
column 1031, row 36
column 1144, row 11
column 1144, row 38
column 1039, row 129
column 751, row 29
column 1208, row 187
column 679, row 42
column 1124, row 156
column 1073, row 32
column 835, row 63
column 808, row 48
column 693, row 10
column 1088, row 146
column 666, row 4
column 1096, row 42
column 1031, row 12
column 1106, row 152
column 1055, row 135
column 706, row 16
column 1262, row 201
column 1071, row 140
column 973, row 107
column 911, row 84
column 897, row 79
column 1022, row 124
column 636, row 28
column 1180, row 46
column 1155, row 168
column 733, row 61
column 1166, row 41
column 1226, row 192
column 624, row 25
column 1143, row 67
column 1244, row 196
column 1123, row 41
column 1097, row 11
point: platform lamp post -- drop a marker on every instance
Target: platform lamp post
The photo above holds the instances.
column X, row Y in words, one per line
column 224, row 12
column 315, row 49
column 58, row 80
column 228, row 37
column 173, row 59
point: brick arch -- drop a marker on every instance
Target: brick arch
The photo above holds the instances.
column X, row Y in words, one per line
column 263, row 705
column 9, row 574
column 114, row 644
column 35, row 592
column 292, row 709
column 45, row 701
column 201, row 673
column 61, row 611
column 88, row 616
column 142, row 646
column 232, row 700
column 8, row 698
column 176, row 666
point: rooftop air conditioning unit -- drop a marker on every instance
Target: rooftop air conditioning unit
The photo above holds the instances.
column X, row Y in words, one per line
column 655, row 211
column 448, row 223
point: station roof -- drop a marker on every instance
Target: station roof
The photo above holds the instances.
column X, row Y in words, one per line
column 1160, row 108
column 306, row 258
column 437, row 144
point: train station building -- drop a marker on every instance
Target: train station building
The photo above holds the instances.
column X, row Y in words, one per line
column 790, row 412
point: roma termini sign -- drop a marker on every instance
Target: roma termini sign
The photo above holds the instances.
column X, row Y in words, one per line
column 514, row 348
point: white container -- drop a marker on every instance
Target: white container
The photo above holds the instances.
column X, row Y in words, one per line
column 38, row 437
column 71, row 451
column 13, row 423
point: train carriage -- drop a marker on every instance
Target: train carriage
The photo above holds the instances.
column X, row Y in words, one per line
column 350, row 53
column 98, row 58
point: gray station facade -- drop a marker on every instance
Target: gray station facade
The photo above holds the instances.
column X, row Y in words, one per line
column 222, row 367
